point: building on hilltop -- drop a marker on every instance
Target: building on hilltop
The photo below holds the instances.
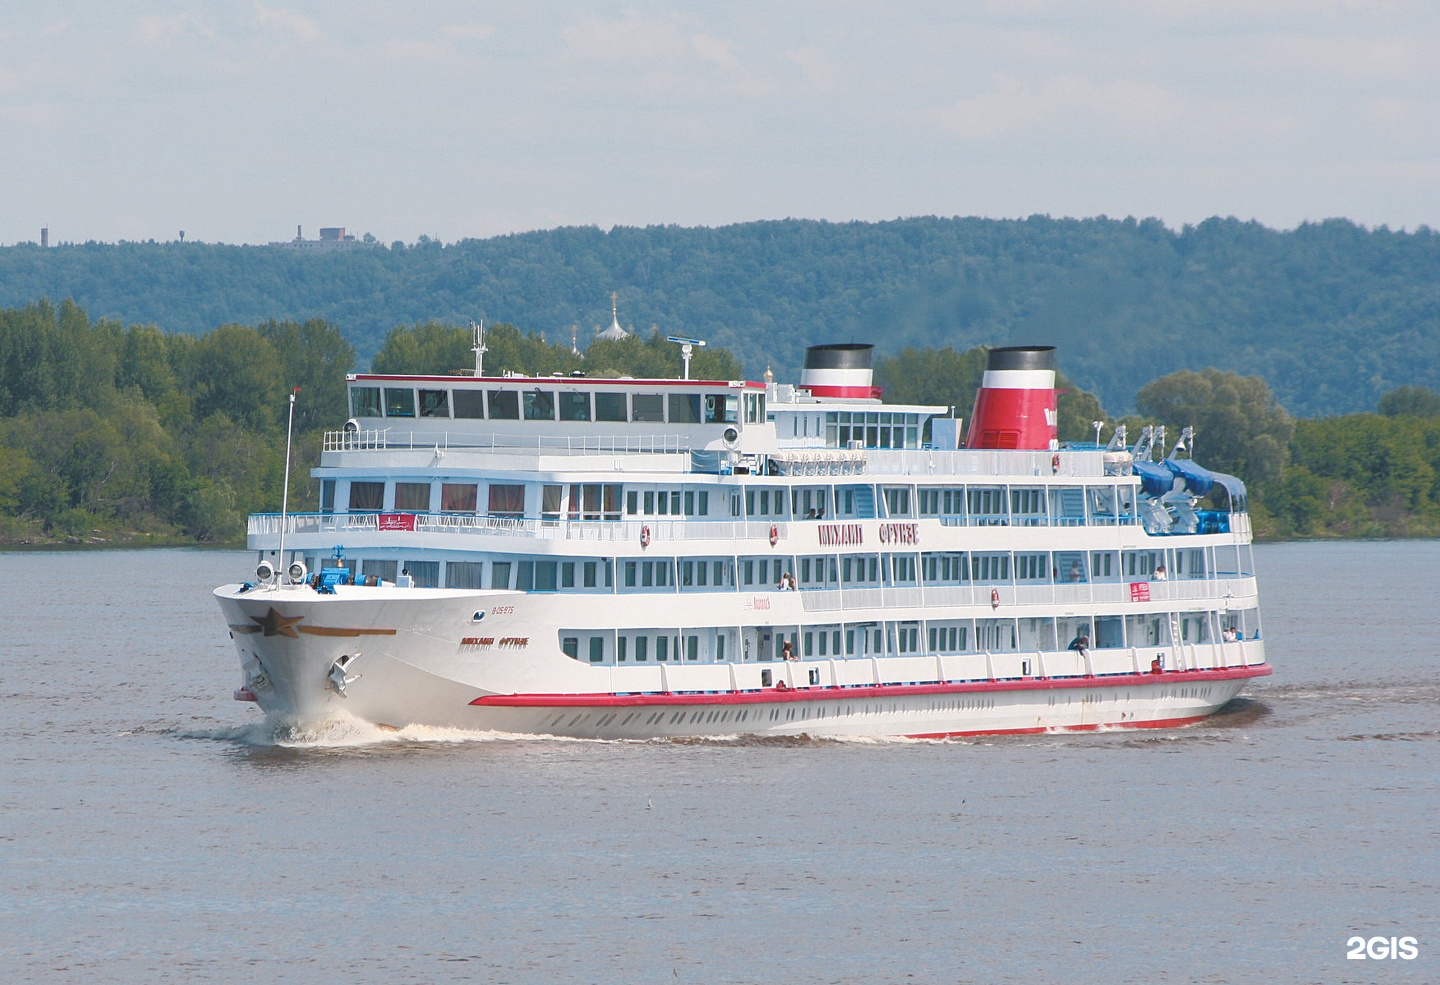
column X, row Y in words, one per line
column 331, row 238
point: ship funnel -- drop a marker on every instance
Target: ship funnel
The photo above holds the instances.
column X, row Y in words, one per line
column 839, row 370
column 1015, row 407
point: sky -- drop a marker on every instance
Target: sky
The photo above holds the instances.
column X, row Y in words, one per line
column 237, row 122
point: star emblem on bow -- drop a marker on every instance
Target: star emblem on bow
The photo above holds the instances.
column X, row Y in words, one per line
column 274, row 624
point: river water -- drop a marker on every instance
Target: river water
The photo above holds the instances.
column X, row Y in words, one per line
column 154, row 830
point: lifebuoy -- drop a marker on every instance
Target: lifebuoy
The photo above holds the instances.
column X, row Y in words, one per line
column 774, row 535
column 1055, row 464
column 645, row 535
column 994, row 598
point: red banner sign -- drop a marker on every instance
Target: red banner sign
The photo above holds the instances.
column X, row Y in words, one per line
column 396, row 521
column 1139, row 591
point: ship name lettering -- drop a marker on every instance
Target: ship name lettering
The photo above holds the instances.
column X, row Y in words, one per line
column 517, row 641
column 477, row 641
column 840, row 534
column 900, row 533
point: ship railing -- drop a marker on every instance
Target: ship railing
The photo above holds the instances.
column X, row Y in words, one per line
column 390, row 439
column 651, row 529
column 1001, row 598
column 927, row 461
column 1034, row 520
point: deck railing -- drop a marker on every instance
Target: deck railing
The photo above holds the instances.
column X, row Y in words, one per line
column 392, row 439
column 657, row 529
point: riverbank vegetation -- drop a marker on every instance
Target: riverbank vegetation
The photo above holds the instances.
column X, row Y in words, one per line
column 129, row 435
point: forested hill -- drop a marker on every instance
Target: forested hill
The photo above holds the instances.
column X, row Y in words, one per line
column 1332, row 315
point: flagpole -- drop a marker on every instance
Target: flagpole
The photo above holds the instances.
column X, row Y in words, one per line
column 285, row 493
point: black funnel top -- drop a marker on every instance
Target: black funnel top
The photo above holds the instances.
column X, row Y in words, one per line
column 839, row 355
column 1021, row 357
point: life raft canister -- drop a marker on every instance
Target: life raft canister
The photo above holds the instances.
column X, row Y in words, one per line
column 645, row 535
column 774, row 535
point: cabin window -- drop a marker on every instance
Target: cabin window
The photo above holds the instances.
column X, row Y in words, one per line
column 684, row 408
column 327, row 495
column 365, row 401
column 504, row 405
column 458, row 497
column 367, row 497
column 574, row 406
column 570, row 646
column 470, row 404
column 539, row 405
column 384, row 570
column 897, row 501
column 990, row 567
column 500, row 574
column 545, row 576
column 610, row 407
column 507, row 500
column 946, row 568
column 662, row 648
column 597, row 649
column 399, row 403
column 1032, row 567
column 550, row 502
column 465, row 574
column 649, row 407
column 721, row 408
column 426, row 574
column 434, row 403
column 412, row 497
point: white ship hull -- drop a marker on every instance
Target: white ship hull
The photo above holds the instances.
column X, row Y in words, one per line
column 401, row 657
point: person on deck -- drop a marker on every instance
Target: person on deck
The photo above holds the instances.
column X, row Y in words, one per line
column 1081, row 645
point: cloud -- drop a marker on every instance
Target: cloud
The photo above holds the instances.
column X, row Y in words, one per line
column 302, row 27
column 159, row 30
column 469, row 32
column 35, row 116
column 1014, row 106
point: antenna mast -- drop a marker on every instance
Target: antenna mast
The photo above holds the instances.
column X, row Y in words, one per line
column 285, row 492
column 477, row 333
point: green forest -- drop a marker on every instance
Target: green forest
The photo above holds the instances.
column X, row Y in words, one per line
column 1332, row 315
column 124, row 434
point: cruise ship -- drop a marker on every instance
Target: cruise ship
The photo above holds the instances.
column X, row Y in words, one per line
column 660, row 558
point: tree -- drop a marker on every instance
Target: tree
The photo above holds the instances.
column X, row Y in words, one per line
column 237, row 372
column 315, row 357
column 1410, row 401
column 1239, row 426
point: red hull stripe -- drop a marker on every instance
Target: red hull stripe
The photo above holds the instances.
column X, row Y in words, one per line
column 826, row 693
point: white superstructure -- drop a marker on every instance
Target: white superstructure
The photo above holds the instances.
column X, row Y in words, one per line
column 635, row 558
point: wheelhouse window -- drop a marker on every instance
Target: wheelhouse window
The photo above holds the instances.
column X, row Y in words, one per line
column 610, row 407
column 722, row 408
column 539, row 405
column 434, row 403
column 412, row 496
column 684, row 408
column 649, row 407
column 367, row 497
column 507, row 500
column 399, row 402
column 458, row 497
column 470, row 404
column 574, row 406
column 504, row 405
column 365, row 401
